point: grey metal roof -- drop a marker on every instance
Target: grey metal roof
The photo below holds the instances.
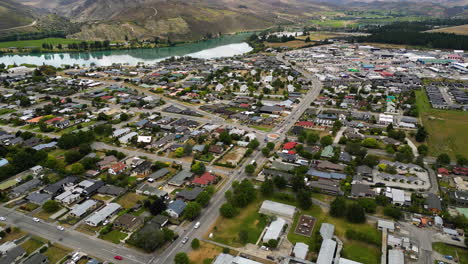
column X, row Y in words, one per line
column 327, row 252
column 27, row 186
column 327, row 230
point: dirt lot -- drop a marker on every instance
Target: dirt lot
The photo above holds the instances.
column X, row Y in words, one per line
column 234, row 156
column 305, row 225
column 205, row 251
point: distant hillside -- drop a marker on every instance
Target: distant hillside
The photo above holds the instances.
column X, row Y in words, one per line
column 459, row 30
column 14, row 14
column 176, row 19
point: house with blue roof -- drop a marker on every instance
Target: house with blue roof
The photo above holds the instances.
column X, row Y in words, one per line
column 326, row 175
column 176, row 208
column 3, row 162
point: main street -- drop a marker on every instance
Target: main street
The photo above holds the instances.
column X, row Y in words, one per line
column 211, row 213
column 106, row 251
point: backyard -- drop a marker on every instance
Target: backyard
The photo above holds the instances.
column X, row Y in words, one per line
column 444, row 128
column 56, row 252
column 129, row 200
column 32, row 245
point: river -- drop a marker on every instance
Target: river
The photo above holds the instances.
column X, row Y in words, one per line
column 226, row 46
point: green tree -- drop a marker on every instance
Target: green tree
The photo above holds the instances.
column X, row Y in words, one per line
column 421, row 134
column 270, row 146
column 227, row 210
column 461, row 160
column 423, row 150
column 338, row 207
column 265, row 151
column 371, row 160
column 370, row 143
column 250, row 169
column 443, row 159
column 77, row 168
column 393, row 212
column 179, row 152
column 368, row 204
column 355, row 213
column 225, row 138
column 303, row 199
column 195, row 244
column 326, row 140
column 280, row 182
column 192, row 210
column 198, row 168
column 181, row 258
column 268, row 187
column 203, row 198
column 51, row 206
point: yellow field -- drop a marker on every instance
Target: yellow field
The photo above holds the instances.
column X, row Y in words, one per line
column 459, row 30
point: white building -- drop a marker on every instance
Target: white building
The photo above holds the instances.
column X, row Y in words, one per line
column 101, row 215
column 278, row 209
column 274, row 230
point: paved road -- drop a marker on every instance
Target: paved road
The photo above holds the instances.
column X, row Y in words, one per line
column 93, row 246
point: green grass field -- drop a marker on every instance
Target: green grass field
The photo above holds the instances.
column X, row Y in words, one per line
column 332, row 23
column 445, row 128
column 444, row 249
column 57, row 252
column 114, row 236
column 32, row 245
column 37, row 43
column 227, row 230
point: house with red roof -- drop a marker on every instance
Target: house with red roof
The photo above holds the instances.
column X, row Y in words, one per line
column 289, row 145
column 206, row 178
column 442, row 172
column 34, row 120
column 117, row 168
column 305, row 124
column 460, row 171
column 54, row 120
column 107, row 97
column 244, row 105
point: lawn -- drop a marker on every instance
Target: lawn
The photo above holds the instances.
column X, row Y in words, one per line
column 32, row 245
column 57, row 252
column 28, row 207
column 361, row 252
column 8, row 184
column 445, row 249
column 45, row 215
column 226, row 231
column 74, row 127
column 6, row 111
column 444, row 128
column 37, row 43
column 206, row 251
column 262, row 128
column 15, row 234
column 129, row 200
column 87, row 229
column 114, row 236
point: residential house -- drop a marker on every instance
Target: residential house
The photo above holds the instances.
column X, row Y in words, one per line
column 117, row 168
column 101, row 215
column 25, row 187
column 433, row 203
column 143, row 169
column 13, row 255
column 38, row 198
column 216, row 149
column 79, row 210
column 176, row 208
column 111, row 190
column 37, row 258
column 206, row 178
column 180, row 178
column 129, row 222
column 189, row 195
column 327, row 152
column 159, row 174
column 327, row 186
column 361, row 190
column 57, row 187
column 106, row 162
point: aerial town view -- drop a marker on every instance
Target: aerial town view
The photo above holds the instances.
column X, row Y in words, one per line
column 234, row 132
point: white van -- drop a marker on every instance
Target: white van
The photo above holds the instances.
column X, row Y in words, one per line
column 197, row 225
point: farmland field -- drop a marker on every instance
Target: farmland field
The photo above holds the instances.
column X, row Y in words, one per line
column 444, row 128
column 459, row 30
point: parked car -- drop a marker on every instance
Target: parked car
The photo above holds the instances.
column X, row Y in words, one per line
column 2, row 218
column 184, row 240
column 35, row 219
column 61, row 228
column 448, row 257
column 118, row 257
column 197, row 225
column 456, row 238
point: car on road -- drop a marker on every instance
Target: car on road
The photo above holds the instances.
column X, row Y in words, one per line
column 456, row 238
column 197, row 225
column 118, row 257
column 2, row 218
column 184, row 240
column 35, row 219
column 61, row 228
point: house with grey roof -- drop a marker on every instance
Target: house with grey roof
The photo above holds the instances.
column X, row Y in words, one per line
column 159, row 174
column 38, row 198
column 101, row 215
column 189, row 195
column 13, row 255
column 180, row 178
column 81, row 209
column 25, row 187
column 176, row 208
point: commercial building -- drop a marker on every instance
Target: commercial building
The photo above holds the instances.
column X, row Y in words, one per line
column 277, row 209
